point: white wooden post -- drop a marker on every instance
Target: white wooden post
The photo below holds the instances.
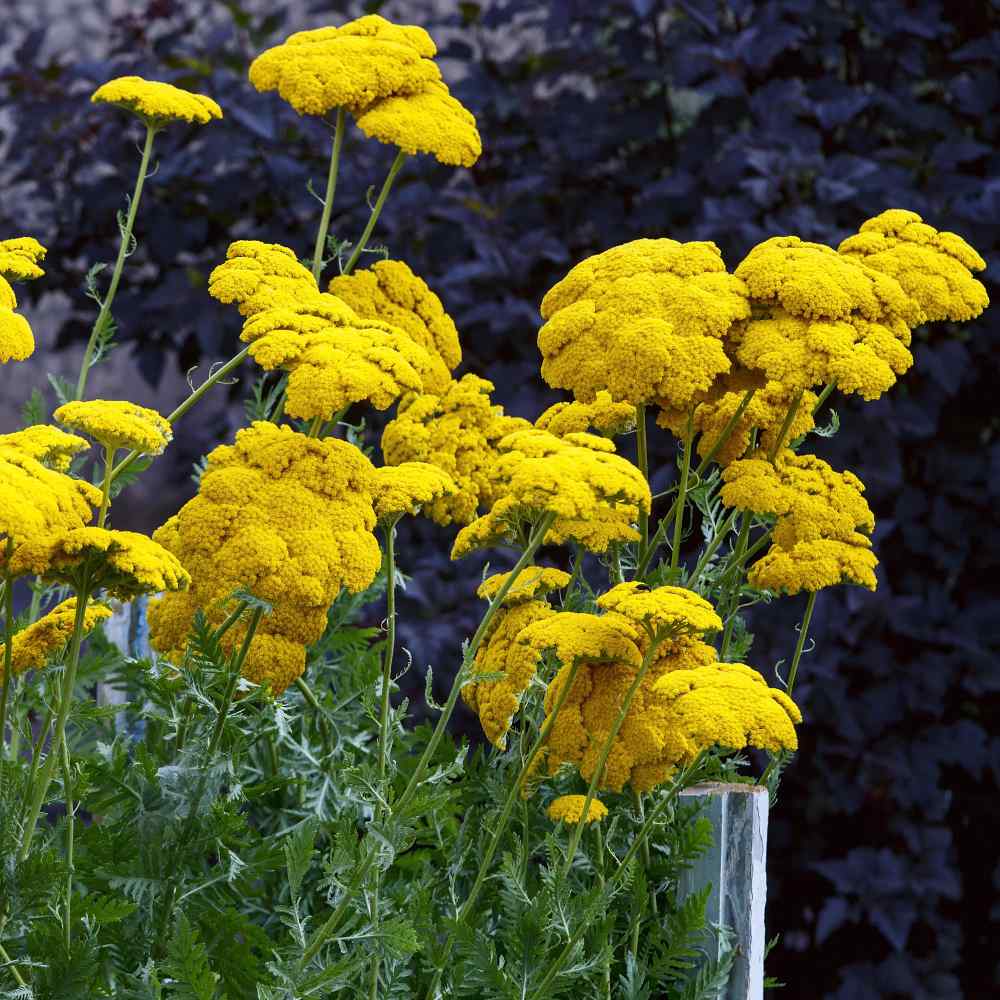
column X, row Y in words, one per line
column 736, row 869
column 127, row 630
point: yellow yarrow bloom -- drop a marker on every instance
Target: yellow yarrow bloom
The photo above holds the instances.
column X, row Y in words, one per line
column 407, row 488
column 815, row 564
column 391, row 292
column 602, row 415
column 157, row 104
column 258, row 276
column 49, row 445
column 675, row 608
column 118, row 424
column 124, row 563
column 459, row 431
column 35, row 645
column 934, row 268
column 531, row 582
column 348, row 66
column 643, row 320
column 18, row 262
column 569, row 809
column 728, row 705
column 428, row 121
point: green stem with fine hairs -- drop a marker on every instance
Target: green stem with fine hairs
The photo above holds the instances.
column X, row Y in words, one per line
column 331, row 188
column 109, row 471
column 397, row 165
column 786, row 423
column 642, row 453
column 675, row 551
column 104, row 316
column 8, row 652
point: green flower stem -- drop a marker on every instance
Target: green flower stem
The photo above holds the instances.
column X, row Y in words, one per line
column 109, row 468
column 500, row 826
column 712, row 546
column 675, row 551
column 315, row 427
column 384, row 709
column 9, row 962
column 196, row 394
column 40, row 785
column 732, row 589
column 104, row 316
column 397, row 165
column 823, row 396
column 331, row 188
column 8, row 652
column 786, row 423
column 534, row 543
column 803, row 632
column 642, row 451
column 70, row 869
column 602, row 882
column 646, row 860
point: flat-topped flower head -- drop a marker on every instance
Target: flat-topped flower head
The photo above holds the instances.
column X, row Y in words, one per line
column 53, row 447
column 727, row 705
column 459, row 431
column 36, row 645
column 409, row 487
column 257, row 276
column 391, row 292
column 531, row 582
column 934, row 268
column 602, row 415
column 124, row 563
column 569, row 809
column 18, row 262
column 348, row 66
column 429, row 121
column 19, row 259
column 157, row 104
column 17, row 342
column 817, row 563
column 643, row 320
column 118, row 424
column 681, row 611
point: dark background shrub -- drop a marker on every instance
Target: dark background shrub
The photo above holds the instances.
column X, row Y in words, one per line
column 604, row 122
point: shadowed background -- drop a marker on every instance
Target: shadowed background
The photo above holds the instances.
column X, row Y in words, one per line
column 605, row 122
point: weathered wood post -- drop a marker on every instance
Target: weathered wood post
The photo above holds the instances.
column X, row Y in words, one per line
column 736, row 868
column 128, row 630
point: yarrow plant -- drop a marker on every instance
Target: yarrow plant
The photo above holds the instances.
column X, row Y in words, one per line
column 259, row 817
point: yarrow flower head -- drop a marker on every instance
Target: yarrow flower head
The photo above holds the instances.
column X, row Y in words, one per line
column 287, row 518
column 459, row 431
column 933, row 268
column 257, row 276
column 118, row 424
column 34, row 646
column 531, row 582
column 157, row 104
column 18, row 262
column 407, row 488
column 594, row 494
column 602, row 415
column 674, row 609
column 53, row 447
column 569, row 809
column 391, row 292
column 644, row 321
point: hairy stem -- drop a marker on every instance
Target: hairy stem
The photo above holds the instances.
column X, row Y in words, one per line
column 733, row 589
column 675, row 550
column 70, row 868
column 8, row 652
column 800, row 644
column 331, row 188
column 779, row 442
column 109, row 463
column 397, row 165
column 642, row 451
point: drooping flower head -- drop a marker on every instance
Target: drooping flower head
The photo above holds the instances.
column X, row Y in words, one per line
column 602, row 415
column 569, row 809
column 531, row 582
column 118, row 424
column 18, row 262
column 644, row 320
column 594, row 494
column 391, row 292
column 458, row 431
column 408, row 488
column 53, row 447
column 934, row 268
column 34, row 646
column 157, row 104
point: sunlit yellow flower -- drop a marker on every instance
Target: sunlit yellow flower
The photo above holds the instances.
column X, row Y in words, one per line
column 644, row 320
column 675, row 608
column 934, row 268
column 407, row 488
column 258, row 276
column 49, row 445
column 118, row 424
column 531, row 582
column 569, row 809
column 602, row 414
column 157, row 103
column 18, row 262
column 19, row 259
column 815, row 564
column 35, row 645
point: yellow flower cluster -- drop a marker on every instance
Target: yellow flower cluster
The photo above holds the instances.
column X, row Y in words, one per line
column 829, row 317
column 35, row 645
column 257, row 276
column 407, row 488
column 933, row 268
column 644, row 320
column 569, row 809
column 766, row 412
column 391, row 292
column 384, row 74
column 458, row 431
column 728, row 705
column 285, row 517
column 118, row 424
column 49, row 445
column 595, row 494
column 531, row 582
column 820, row 538
column 157, row 103
column 602, row 414
column 677, row 609
column 18, row 262
column 123, row 563
column 37, row 503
